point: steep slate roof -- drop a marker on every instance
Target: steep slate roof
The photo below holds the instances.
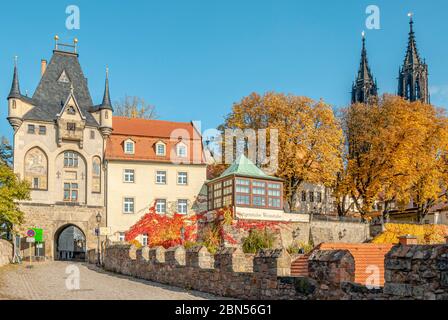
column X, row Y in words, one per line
column 243, row 167
column 15, row 88
column 51, row 94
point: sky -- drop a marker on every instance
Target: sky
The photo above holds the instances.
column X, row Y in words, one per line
column 193, row 59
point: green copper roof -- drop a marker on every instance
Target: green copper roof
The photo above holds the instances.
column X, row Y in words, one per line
column 245, row 168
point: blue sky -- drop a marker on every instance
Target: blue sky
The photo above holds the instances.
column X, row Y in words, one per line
column 193, row 59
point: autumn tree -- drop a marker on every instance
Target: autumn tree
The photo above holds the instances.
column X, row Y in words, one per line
column 309, row 137
column 135, row 107
column 395, row 154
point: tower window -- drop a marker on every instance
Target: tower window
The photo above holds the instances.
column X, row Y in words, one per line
column 92, row 134
column 42, row 130
column 31, row 128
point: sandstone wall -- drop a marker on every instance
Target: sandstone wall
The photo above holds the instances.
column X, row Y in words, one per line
column 412, row 272
column 6, row 252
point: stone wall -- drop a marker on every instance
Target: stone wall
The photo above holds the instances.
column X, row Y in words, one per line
column 339, row 231
column 6, row 252
column 417, row 272
column 412, row 272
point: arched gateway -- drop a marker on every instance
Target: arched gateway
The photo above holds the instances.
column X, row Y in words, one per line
column 70, row 243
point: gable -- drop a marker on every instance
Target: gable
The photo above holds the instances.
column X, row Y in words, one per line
column 63, row 77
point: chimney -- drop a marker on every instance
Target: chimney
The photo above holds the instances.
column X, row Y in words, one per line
column 408, row 240
column 43, row 67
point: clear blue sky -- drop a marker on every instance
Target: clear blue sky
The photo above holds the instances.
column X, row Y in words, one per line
column 193, row 59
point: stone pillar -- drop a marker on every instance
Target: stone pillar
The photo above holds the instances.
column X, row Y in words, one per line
column 408, row 240
column 143, row 254
column 175, row 256
column 133, row 252
column 273, row 262
column 199, row 257
column 156, row 255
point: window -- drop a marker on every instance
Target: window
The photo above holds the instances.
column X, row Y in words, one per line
column 160, row 149
column 311, row 196
column 14, row 105
column 182, row 178
column 128, row 175
column 161, row 177
column 70, row 192
column 106, row 115
column 31, row 128
column 274, row 202
column 70, row 159
column 242, row 200
column 128, row 205
column 92, row 134
column 274, row 195
column 35, row 183
column 145, row 239
column 182, row 206
column 42, row 130
column 181, row 150
column 259, row 201
column 304, row 196
column 242, row 186
column 319, row 197
column 121, row 236
column 71, row 126
column 160, row 206
column 129, row 147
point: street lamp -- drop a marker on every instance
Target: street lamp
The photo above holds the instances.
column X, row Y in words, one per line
column 98, row 220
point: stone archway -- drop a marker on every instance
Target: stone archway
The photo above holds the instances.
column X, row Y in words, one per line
column 70, row 243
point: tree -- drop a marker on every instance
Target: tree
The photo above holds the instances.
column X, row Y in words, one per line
column 309, row 137
column 135, row 107
column 395, row 154
column 11, row 190
column 5, row 152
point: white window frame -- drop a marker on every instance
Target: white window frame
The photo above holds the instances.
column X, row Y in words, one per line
column 129, row 142
column 127, row 174
column 157, row 149
column 127, row 204
column 183, row 205
column 145, row 239
column 159, row 174
column 162, row 201
column 178, row 147
column 179, row 182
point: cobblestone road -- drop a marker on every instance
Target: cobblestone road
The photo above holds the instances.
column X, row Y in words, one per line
column 48, row 281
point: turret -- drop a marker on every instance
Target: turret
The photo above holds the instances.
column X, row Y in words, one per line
column 106, row 110
column 15, row 107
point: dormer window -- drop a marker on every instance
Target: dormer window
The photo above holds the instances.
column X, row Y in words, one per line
column 181, row 150
column 160, row 149
column 129, row 147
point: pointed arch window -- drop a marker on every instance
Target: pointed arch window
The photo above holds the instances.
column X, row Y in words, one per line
column 96, row 175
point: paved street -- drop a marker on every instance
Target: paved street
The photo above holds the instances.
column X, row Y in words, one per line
column 48, row 281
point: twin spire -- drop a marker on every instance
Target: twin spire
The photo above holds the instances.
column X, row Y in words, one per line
column 413, row 75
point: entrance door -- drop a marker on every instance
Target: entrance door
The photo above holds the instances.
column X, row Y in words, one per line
column 70, row 244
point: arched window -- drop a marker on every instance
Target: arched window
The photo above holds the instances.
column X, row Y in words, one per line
column 71, row 159
column 36, row 169
column 96, row 175
column 129, row 147
column 14, row 104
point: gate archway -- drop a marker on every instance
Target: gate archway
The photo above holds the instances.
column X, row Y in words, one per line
column 70, row 243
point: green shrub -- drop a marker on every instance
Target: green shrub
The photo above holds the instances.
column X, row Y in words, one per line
column 300, row 247
column 257, row 240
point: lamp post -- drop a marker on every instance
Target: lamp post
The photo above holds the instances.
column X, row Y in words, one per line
column 98, row 220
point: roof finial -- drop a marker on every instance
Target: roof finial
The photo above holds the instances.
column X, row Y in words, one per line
column 75, row 44
column 15, row 61
column 411, row 20
column 56, row 39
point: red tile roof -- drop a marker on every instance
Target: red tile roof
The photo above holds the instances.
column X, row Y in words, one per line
column 146, row 133
column 365, row 255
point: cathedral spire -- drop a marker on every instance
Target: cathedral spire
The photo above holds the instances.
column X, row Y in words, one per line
column 106, row 104
column 15, row 88
column 413, row 75
column 364, row 87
